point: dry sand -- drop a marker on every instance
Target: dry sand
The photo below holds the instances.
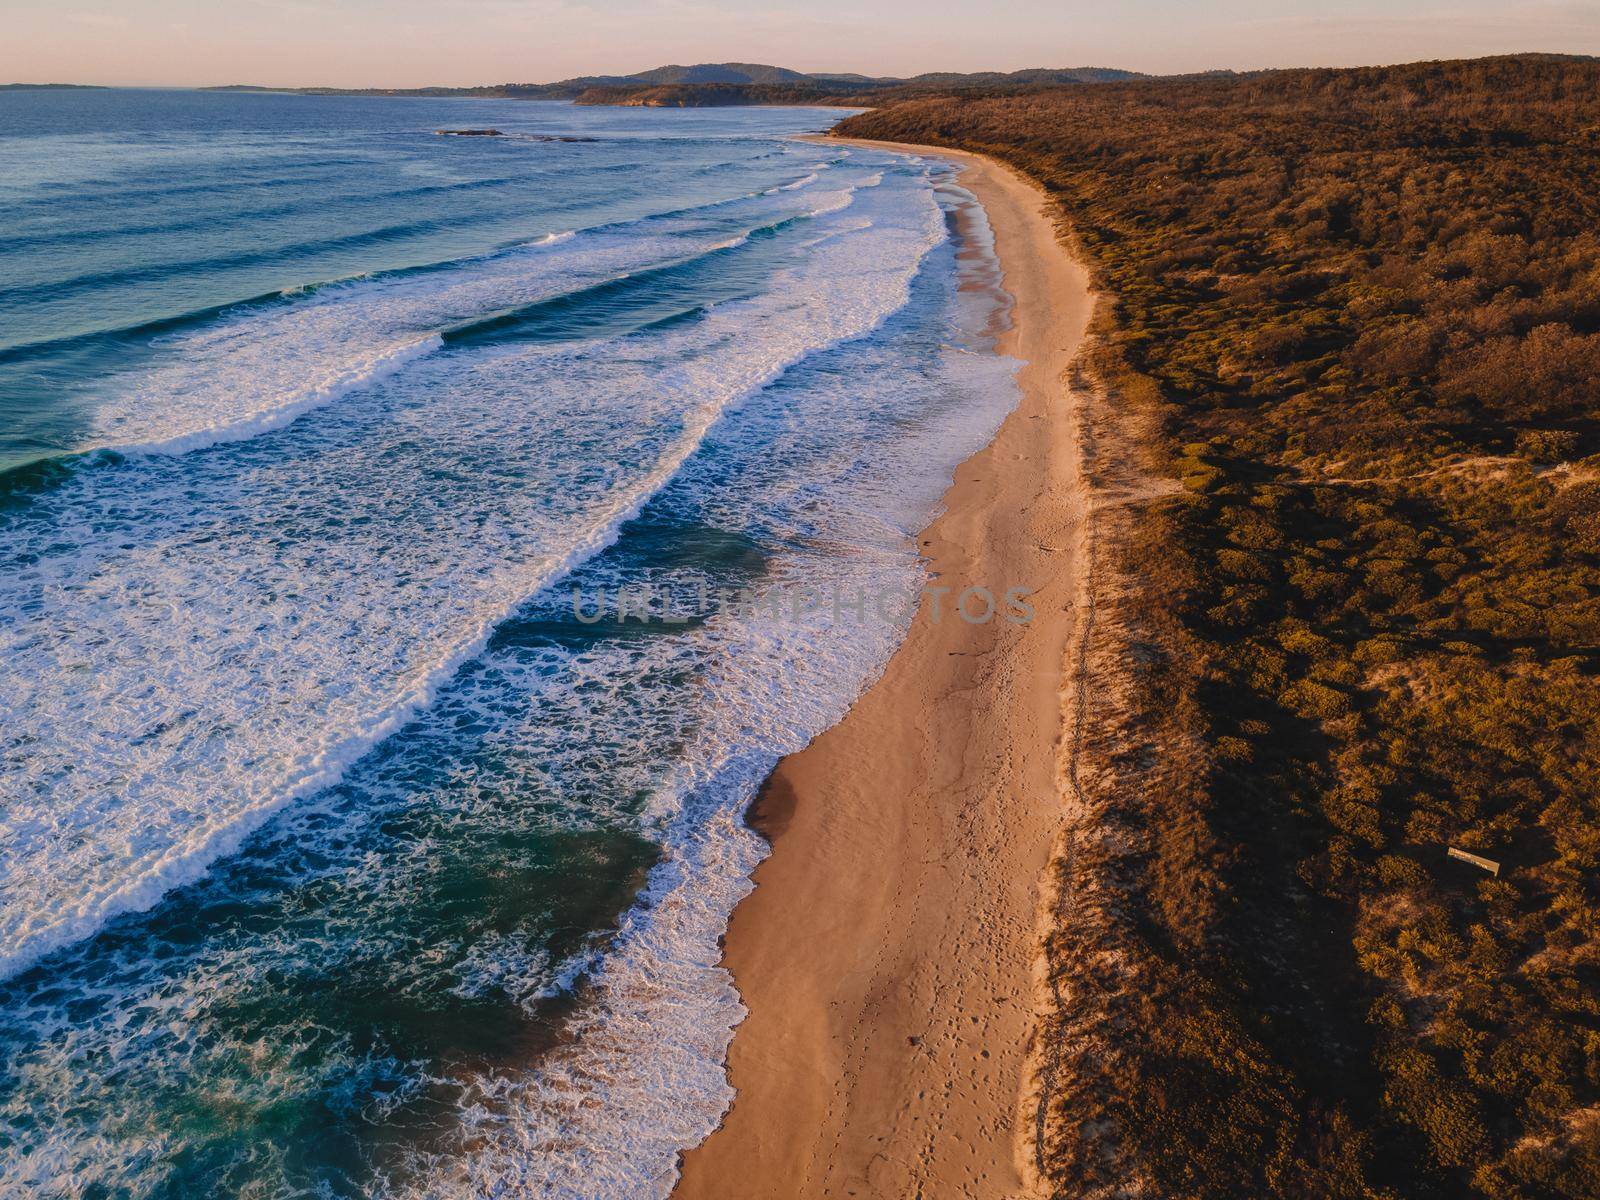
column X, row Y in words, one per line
column 887, row 954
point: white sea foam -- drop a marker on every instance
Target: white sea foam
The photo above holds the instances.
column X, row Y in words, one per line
column 803, row 181
column 202, row 632
column 606, row 1115
column 265, row 366
column 282, row 407
column 210, row 667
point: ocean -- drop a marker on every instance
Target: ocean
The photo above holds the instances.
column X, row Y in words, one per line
column 355, row 840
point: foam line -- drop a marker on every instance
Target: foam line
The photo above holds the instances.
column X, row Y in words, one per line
column 27, row 935
column 324, row 391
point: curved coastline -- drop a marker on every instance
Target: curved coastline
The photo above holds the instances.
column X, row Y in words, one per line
column 887, row 954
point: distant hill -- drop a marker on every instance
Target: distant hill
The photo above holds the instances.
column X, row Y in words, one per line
column 51, row 87
column 756, row 73
column 1033, row 75
column 858, row 91
column 719, row 95
column 845, row 77
column 722, row 73
column 708, row 84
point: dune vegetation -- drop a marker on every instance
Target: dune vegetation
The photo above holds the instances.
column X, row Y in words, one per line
column 1355, row 315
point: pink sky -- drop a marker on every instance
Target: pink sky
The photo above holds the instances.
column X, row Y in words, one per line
column 405, row 43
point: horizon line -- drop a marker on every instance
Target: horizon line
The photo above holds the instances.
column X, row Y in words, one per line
column 1138, row 75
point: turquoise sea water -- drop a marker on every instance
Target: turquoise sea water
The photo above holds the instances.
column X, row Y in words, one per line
column 338, row 856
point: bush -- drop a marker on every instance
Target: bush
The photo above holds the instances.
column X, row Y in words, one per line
column 1548, row 445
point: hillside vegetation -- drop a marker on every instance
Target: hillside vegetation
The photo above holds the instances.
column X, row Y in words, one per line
column 1357, row 315
column 706, row 85
column 715, row 95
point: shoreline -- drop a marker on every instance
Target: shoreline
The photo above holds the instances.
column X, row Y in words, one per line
column 887, row 957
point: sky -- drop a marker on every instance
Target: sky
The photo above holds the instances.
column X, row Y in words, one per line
column 410, row 43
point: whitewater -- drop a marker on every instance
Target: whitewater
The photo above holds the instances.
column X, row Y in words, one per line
column 337, row 855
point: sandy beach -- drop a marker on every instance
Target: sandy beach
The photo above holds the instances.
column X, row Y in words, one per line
column 887, row 954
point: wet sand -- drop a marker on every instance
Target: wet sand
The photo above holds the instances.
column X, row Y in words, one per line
column 888, row 953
